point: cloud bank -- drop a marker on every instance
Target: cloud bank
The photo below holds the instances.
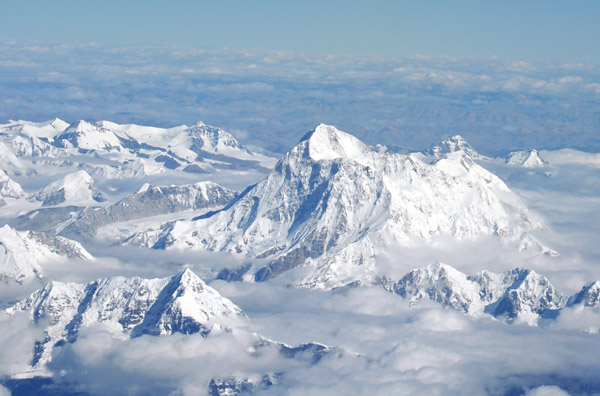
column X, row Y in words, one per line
column 270, row 98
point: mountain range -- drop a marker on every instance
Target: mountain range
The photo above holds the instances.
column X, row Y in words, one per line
column 332, row 201
column 321, row 217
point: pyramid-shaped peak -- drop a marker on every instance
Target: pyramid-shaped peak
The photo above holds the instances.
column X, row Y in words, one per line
column 59, row 124
column 589, row 295
column 326, row 142
column 527, row 159
column 199, row 124
column 457, row 139
column 188, row 277
column 81, row 126
column 453, row 144
column 7, row 230
column 322, row 130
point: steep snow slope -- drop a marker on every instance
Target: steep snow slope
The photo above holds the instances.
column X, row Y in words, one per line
column 332, row 200
column 129, row 307
column 74, row 189
column 22, row 253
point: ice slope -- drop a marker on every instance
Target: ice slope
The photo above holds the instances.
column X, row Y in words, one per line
column 332, row 200
column 130, row 307
column 22, row 253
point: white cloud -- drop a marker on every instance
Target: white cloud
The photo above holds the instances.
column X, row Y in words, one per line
column 546, row 391
column 570, row 80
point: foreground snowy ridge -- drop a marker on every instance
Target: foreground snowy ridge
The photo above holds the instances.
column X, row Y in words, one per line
column 129, row 307
column 332, row 200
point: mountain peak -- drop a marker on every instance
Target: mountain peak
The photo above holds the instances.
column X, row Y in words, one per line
column 59, row 124
column 21, row 253
column 80, row 126
column 134, row 306
column 188, row 277
column 453, row 144
column 74, row 188
column 326, row 142
column 589, row 295
column 527, row 159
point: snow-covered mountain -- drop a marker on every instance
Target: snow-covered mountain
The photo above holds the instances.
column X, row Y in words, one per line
column 588, row 296
column 123, row 151
column 74, row 189
column 451, row 145
column 201, row 141
column 517, row 295
column 9, row 188
column 87, row 136
column 130, row 307
column 31, row 139
column 150, row 201
column 527, row 159
column 22, row 253
column 332, row 200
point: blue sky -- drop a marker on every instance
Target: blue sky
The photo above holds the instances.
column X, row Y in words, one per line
column 536, row 30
